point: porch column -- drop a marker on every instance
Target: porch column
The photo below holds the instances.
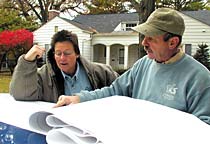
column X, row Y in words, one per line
column 126, row 57
column 108, row 55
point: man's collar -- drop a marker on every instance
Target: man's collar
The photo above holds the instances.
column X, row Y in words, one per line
column 175, row 58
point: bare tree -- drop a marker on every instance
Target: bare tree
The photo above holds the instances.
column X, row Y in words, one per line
column 40, row 8
column 106, row 6
column 182, row 4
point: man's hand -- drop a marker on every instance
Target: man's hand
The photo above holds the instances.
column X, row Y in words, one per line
column 35, row 52
column 66, row 100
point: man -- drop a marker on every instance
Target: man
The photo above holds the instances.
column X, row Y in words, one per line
column 65, row 71
column 165, row 76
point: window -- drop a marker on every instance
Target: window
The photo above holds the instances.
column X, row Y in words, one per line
column 188, row 49
column 121, row 56
column 129, row 26
column 56, row 29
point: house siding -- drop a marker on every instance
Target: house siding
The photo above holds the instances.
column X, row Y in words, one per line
column 194, row 33
column 43, row 35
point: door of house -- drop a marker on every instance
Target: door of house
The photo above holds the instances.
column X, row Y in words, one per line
column 117, row 57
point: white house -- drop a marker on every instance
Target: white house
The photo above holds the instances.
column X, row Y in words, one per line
column 108, row 38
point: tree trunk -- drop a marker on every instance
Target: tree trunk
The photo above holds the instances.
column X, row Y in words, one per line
column 146, row 8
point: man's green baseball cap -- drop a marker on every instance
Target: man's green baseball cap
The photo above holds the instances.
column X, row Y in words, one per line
column 162, row 20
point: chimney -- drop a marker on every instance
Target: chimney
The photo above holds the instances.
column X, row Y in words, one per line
column 52, row 14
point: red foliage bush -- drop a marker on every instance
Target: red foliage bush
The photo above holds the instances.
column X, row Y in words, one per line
column 18, row 38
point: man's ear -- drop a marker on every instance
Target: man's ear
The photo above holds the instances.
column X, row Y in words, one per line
column 173, row 42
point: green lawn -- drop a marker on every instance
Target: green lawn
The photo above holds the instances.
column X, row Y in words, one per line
column 4, row 82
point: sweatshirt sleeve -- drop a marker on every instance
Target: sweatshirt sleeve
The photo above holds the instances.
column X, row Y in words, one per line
column 198, row 96
column 199, row 105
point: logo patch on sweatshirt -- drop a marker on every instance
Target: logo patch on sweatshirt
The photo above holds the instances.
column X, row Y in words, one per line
column 170, row 92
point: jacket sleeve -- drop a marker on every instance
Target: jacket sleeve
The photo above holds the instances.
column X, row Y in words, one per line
column 111, row 75
column 25, row 84
column 103, row 75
